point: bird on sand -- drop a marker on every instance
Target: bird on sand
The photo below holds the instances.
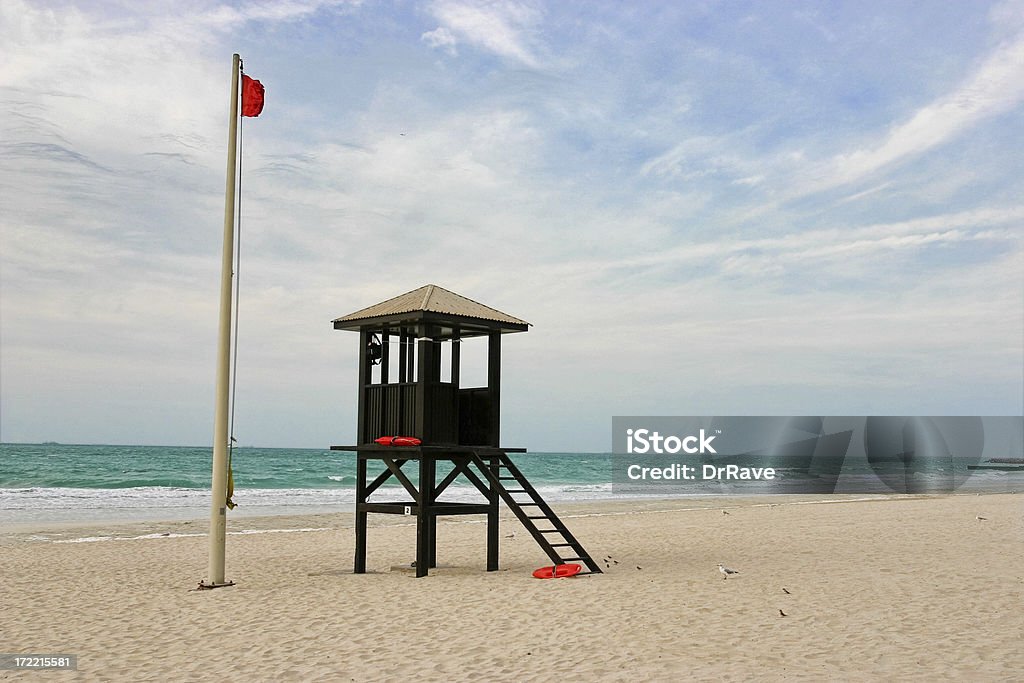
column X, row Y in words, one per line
column 786, row 591
column 782, row 614
column 726, row 571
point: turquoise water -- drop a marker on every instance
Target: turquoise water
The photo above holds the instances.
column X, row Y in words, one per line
column 42, row 483
column 70, row 483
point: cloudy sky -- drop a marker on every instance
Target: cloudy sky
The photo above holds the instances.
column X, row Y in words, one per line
column 704, row 208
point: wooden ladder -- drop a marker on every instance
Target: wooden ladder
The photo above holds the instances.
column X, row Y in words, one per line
column 554, row 538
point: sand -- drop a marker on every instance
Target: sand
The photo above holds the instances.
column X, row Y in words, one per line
column 908, row 588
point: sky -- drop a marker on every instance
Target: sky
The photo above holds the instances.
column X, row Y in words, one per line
column 702, row 208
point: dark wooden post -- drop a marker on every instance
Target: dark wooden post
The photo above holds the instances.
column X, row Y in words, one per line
column 494, row 386
column 435, row 371
column 494, row 398
column 456, row 361
column 359, row 565
column 364, row 379
column 427, row 494
column 423, row 536
column 403, row 370
column 424, row 367
column 410, row 356
column 492, row 520
column 385, row 357
column 424, row 364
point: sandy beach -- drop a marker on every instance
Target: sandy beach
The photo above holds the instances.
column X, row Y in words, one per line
column 909, row 588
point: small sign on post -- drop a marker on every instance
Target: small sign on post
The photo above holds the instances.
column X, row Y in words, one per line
column 408, row 510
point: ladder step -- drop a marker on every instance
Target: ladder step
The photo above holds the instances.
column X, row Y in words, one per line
column 516, row 491
column 539, row 517
column 561, row 545
column 549, row 531
column 506, row 478
column 572, row 559
column 529, row 505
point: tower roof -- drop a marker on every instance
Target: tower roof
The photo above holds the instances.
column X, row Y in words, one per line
column 431, row 304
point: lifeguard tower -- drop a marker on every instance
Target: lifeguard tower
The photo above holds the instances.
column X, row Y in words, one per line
column 455, row 424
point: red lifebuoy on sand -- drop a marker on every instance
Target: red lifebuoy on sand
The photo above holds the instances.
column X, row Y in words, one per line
column 558, row 571
column 398, row 441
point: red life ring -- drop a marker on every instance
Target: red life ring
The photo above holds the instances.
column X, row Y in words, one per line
column 398, row 441
column 557, row 572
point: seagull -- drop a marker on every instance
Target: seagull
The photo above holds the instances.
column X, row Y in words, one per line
column 726, row 571
column 511, row 534
column 981, row 518
column 782, row 614
column 724, row 512
column 786, row 591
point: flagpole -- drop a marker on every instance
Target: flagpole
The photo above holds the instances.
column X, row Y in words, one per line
column 219, row 485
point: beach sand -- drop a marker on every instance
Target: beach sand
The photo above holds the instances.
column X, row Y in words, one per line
column 908, row 588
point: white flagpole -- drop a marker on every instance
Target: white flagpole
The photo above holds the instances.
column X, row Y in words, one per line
column 219, row 486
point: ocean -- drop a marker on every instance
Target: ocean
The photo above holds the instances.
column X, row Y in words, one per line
column 42, row 483
column 55, row 483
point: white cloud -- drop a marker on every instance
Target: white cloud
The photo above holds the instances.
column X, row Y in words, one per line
column 226, row 17
column 503, row 28
column 815, row 260
column 440, row 38
column 993, row 89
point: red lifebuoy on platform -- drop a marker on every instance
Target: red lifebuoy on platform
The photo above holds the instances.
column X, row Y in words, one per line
column 558, row 571
column 398, row 441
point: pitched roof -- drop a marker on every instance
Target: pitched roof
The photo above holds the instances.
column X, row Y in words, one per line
column 433, row 299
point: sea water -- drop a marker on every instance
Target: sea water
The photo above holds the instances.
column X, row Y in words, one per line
column 45, row 483
column 41, row 483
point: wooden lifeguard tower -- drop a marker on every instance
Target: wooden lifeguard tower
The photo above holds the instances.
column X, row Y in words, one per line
column 455, row 424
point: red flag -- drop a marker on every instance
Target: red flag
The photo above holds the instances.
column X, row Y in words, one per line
column 252, row 96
